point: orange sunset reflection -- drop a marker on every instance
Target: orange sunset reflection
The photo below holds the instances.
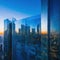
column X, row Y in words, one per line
column 1, row 33
column 44, row 32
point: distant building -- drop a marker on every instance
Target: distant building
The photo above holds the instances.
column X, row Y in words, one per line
column 33, row 31
column 27, row 30
column 13, row 28
column 14, row 39
column 22, row 29
column 19, row 31
column 7, row 40
column 0, row 39
column 38, row 29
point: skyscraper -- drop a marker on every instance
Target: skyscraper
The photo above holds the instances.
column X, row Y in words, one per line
column 27, row 30
column 23, row 29
column 33, row 31
column 13, row 25
column 7, row 40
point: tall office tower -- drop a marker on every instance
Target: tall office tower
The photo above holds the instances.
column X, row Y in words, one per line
column 13, row 27
column 27, row 34
column 19, row 31
column 7, row 40
column 54, row 19
column 23, row 29
column 33, row 30
column 0, row 39
column 14, row 39
column 27, row 30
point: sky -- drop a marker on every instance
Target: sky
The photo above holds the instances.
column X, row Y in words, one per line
column 18, row 9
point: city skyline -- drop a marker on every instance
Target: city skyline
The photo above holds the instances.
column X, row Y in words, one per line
column 21, row 10
column 18, row 9
column 27, row 21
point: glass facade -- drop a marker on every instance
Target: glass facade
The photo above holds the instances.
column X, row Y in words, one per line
column 7, row 40
column 54, row 17
column 33, row 37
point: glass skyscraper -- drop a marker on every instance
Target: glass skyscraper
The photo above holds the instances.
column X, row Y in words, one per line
column 7, row 40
